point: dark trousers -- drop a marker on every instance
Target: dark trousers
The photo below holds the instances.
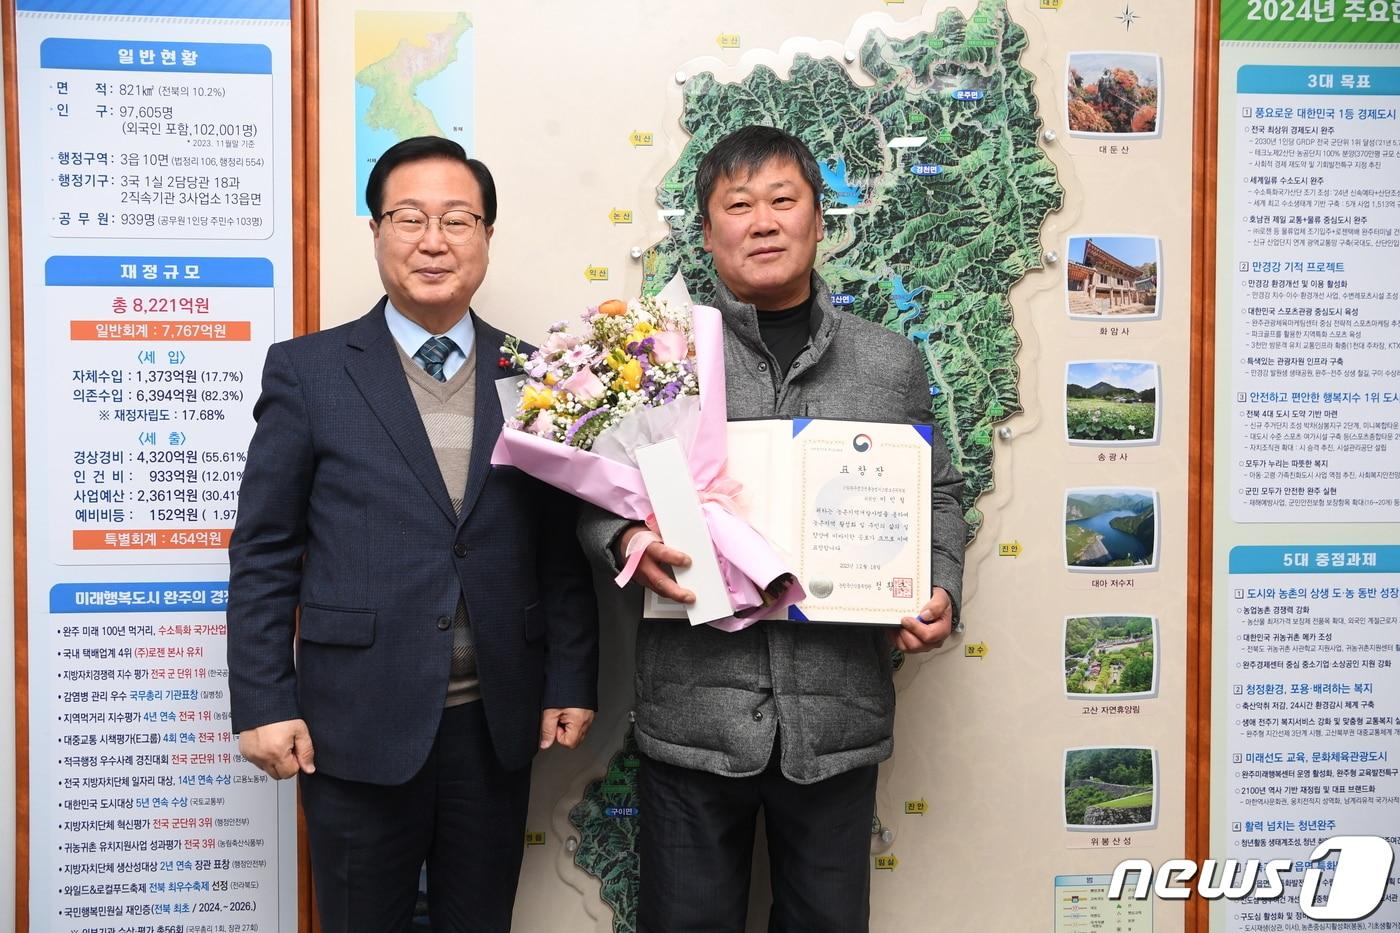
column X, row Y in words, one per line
column 462, row 813
column 696, row 846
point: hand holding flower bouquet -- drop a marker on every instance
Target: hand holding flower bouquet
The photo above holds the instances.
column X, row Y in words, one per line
column 641, row 373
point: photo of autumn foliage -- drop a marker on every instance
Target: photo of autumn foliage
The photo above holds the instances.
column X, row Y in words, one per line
column 1113, row 93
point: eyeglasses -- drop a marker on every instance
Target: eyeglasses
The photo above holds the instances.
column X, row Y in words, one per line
column 410, row 224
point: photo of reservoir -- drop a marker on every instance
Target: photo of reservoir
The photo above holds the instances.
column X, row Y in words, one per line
column 1110, row 529
column 1110, row 657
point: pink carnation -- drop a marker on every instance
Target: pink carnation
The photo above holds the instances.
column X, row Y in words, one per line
column 584, row 385
column 543, row 425
column 668, row 346
column 559, row 342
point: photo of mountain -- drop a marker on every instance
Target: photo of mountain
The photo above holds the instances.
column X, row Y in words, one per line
column 1110, row 786
column 1113, row 94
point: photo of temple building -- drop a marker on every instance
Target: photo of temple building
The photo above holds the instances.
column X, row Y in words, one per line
column 1112, row 276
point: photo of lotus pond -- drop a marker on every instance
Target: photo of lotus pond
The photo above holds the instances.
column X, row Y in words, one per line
column 1110, row 656
column 1111, row 402
column 1110, row 529
column 1110, row 786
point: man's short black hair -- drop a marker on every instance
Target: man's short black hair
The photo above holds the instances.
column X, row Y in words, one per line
column 418, row 149
column 745, row 151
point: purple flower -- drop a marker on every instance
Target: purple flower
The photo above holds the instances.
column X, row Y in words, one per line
column 574, row 428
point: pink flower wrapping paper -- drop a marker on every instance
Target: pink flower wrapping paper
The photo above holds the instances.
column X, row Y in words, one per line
column 749, row 564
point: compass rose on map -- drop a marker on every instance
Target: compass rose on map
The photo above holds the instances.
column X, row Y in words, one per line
column 1127, row 17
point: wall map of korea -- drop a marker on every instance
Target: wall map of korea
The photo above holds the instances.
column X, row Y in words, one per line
column 940, row 232
column 938, row 235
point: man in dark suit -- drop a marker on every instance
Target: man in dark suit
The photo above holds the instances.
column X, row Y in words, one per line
column 447, row 624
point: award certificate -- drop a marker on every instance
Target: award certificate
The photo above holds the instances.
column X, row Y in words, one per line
column 848, row 502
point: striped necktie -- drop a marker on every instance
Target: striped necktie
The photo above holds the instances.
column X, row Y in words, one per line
column 433, row 354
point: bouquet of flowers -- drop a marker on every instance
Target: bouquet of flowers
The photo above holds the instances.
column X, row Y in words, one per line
column 634, row 356
column 639, row 373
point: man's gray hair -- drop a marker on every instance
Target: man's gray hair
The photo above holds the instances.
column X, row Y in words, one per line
column 744, row 152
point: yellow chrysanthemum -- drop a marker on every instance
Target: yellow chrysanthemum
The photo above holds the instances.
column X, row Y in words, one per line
column 537, row 398
column 631, row 375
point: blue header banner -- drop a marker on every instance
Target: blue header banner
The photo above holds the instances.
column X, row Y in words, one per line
column 139, row 597
column 1357, row 80
column 144, row 56
column 1316, row 558
column 203, row 9
column 160, row 271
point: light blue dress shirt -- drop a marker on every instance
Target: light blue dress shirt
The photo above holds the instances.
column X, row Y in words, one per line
column 410, row 335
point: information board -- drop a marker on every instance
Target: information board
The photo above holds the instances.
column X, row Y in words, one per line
column 1307, row 439
column 155, row 162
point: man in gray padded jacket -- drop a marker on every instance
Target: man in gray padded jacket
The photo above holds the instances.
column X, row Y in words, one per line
column 784, row 717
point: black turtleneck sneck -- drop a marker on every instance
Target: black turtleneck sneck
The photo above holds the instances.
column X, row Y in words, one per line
column 786, row 332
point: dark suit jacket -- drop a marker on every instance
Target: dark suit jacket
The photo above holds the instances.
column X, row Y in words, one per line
column 344, row 515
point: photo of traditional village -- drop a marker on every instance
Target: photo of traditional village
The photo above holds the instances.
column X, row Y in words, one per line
column 1115, row 94
column 1110, row 656
column 1110, row 529
column 1111, row 402
column 1110, row 786
column 1112, row 276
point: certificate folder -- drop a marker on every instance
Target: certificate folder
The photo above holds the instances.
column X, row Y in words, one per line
column 848, row 503
column 672, row 491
